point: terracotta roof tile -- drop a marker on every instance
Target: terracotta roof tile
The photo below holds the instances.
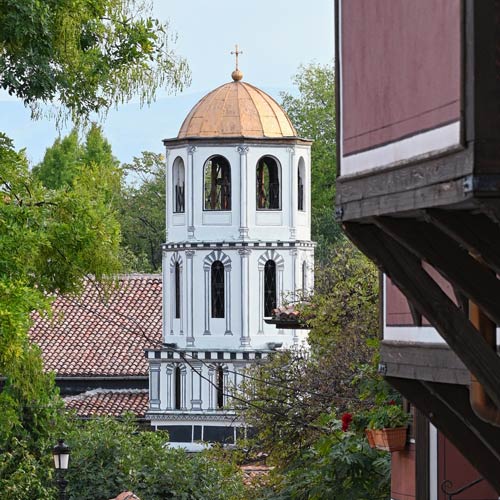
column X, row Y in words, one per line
column 100, row 334
column 112, row 403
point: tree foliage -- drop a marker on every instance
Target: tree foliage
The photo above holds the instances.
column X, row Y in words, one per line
column 142, row 212
column 313, row 114
column 49, row 240
column 69, row 156
column 85, row 55
column 109, row 456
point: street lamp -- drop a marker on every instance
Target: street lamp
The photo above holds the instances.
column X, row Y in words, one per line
column 61, row 453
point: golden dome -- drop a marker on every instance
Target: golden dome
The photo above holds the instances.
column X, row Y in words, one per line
column 237, row 109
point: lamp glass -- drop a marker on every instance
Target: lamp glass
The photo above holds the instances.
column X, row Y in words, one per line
column 61, row 455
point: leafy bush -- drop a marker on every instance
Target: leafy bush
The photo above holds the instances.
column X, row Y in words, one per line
column 338, row 466
column 109, row 456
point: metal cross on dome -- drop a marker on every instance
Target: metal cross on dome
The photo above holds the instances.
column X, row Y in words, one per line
column 236, row 53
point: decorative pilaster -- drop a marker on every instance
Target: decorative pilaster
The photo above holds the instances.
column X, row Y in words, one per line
column 245, row 299
column 183, row 388
column 172, row 297
column 294, row 252
column 225, row 376
column 243, row 150
column 227, row 298
column 293, row 191
column 280, row 292
column 154, row 386
column 189, row 298
column 211, row 388
column 190, row 194
column 164, row 303
column 196, row 372
column 170, row 385
column 168, row 200
column 208, row 298
column 261, row 300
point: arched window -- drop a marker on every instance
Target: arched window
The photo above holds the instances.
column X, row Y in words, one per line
column 269, row 288
column 178, row 183
column 178, row 388
column 300, row 185
column 219, row 382
column 268, row 184
column 217, row 184
column 217, row 289
column 177, row 277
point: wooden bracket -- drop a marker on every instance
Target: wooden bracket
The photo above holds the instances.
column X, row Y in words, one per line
column 447, row 407
column 464, row 272
column 406, row 271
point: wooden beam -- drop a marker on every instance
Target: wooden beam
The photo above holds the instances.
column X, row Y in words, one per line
column 462, row 432
column 455, row 264
column 477, row 233
column 406, row 272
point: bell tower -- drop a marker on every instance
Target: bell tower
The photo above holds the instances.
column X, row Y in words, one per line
column 238, row 245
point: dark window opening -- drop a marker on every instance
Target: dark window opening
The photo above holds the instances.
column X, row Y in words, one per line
column 177, row 290
column 217, row 289
column 217, row 184
column 179, row 199
column 178, row 177
column 300, row 200
column 269, row 288
column 177, row 404
column 268, row 184
column 220, row 387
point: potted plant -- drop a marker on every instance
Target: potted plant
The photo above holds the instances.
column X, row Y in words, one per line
column 389, row 425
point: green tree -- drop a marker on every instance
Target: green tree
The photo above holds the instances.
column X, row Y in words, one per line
column 86, row 55
column 313, row 114
column 142, row 211
column 50, row 239
column 60, row 163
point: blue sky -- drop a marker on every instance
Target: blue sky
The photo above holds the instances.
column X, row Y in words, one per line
column 276, row 36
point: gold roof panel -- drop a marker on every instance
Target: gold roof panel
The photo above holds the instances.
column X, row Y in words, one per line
column 237, row 109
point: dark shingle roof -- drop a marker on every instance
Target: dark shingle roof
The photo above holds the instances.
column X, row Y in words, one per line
column 101, row 402
column 102, row 334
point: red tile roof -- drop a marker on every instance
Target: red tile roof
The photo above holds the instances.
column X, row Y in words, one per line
column 100, row 334
column 111, row 403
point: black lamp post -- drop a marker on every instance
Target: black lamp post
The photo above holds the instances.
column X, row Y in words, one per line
column 61, row 453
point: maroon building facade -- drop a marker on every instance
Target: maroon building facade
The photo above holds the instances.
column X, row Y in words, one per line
column 418, row 190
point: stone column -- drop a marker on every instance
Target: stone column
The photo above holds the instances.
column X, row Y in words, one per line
column 190, row 192
column 227, row 298
column 208, row 301
column 261, row 300
column 243, row 150
column 164, row 307
column 293, row 191
column 168, row 198
column 196, row 372
column 154, row 386
column 294, row 252
column 189, row 298
column 280, row 289
column 245, row 298
column 211, row 388
column 170, row 386
column 183, row 388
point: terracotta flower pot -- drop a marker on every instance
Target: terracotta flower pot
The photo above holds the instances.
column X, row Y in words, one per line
column 369, row 437
column 390, row 439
